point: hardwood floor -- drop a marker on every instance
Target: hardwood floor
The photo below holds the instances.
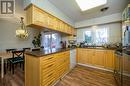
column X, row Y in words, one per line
column 84, row 76
column 13, row 80
column 79, row 76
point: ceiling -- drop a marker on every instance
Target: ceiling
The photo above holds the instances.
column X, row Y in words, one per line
column 72, row 10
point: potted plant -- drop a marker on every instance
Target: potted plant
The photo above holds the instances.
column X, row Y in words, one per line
column 37, row 41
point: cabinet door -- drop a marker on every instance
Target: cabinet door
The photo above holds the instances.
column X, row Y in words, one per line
column 70, row 30
column 40, row 17
column 109, row 59
column 85, row 56
column 98, row 58
column 56, row 25
column 75, row 31
column 90, row 54
column 50, row 21
column 80, row 56
column 61, row 26
column 29, row 13
column 126, row 64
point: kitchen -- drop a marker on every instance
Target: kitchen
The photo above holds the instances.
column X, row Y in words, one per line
column 65, row 43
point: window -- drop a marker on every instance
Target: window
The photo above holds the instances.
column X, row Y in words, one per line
column 88, row 36
column 101, row 36
column 96, row 36
column 51, row 40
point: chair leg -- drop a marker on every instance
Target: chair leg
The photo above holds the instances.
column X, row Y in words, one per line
column 13, row 68
column 23, row 66
column 20, row 65
column 4, row 68
column 7, row 64
column 10, row 67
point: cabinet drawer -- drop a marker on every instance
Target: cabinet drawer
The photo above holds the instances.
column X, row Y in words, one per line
column 48, row 74
column 62, row 61
column 47, row 70
column 47, row 60
column 52, row 57
column 62, row 70
column 48, row 81
column 47, row 64
column 62, row 66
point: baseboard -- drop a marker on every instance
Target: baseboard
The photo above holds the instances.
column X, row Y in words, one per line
column 87, row 65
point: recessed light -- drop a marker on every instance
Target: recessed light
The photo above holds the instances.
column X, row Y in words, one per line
column 89, row 4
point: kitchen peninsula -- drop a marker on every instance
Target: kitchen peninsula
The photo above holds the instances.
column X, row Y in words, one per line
column 45, row 67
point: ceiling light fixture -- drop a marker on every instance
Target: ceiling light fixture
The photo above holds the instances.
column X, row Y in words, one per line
column 89, row 4
column 22, row 32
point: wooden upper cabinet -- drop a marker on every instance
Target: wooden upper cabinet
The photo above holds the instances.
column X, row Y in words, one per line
column 37, row 17
column 75, row 32
column 50, row 21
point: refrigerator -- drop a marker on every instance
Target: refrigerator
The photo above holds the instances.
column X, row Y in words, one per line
column 125, row 70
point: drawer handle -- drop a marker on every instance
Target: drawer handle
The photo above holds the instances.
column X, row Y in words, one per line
column 49, row 74
column 50, row 65
column 51, row 83
column 50, row 58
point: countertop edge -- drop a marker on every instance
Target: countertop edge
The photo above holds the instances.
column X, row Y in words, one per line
column 33, row 53
column 98, row 48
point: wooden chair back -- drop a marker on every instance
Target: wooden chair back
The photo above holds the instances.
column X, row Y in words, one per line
column 18, row 53
column 10, row 50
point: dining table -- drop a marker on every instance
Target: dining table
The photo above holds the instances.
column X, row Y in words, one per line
column 4, row 56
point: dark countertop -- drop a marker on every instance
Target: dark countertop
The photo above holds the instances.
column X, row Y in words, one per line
column 47, row 52
column 101, row 48
column 54, row 50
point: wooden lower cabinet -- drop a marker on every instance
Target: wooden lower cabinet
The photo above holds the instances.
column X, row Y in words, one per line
column 96, row 57
column 99, row 58
column 110, row 59
column 46, row 70
column 84, row 56
column 126, row 64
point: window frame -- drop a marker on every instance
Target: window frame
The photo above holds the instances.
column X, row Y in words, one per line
column 93, row 32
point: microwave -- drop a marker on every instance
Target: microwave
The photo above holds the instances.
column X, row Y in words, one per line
column 127, row 36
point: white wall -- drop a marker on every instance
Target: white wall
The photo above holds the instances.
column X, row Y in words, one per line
column 50, row 8
column 8, row 27
column 114, row 32
column 100, row 20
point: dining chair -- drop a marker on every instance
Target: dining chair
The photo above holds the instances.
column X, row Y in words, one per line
column 17, row 57
column 10, row 50
column 6, row 63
